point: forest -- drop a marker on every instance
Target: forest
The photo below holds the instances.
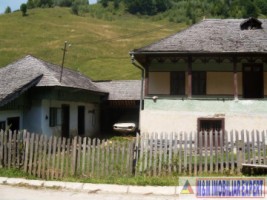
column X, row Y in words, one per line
column 189, row 11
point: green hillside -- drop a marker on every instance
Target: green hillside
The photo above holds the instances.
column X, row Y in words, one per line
column 99, row 48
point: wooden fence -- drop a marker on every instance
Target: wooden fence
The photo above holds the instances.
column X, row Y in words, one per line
column 150, row 154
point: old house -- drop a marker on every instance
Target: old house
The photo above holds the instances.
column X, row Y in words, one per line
column 210, row 76
column 44, row 98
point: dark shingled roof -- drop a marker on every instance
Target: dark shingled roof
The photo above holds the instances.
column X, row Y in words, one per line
column 29, row 71
column 213, row 36
column 121, row 89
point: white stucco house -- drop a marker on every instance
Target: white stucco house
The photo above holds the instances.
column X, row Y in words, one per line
column 210, row 76
column 42, row 98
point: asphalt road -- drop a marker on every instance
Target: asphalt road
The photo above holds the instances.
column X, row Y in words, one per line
column 24, row 193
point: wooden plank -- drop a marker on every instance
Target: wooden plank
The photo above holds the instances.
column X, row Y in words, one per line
column 254, row 165
column 93, row 157
column 19, row 149
column 200, row 151
column 1, row 148
column 49, row 153
column 221, row 151
column 226, row 151
column 180, row 152
column 141, row 157
column 131, row 158
column 63, row 152
column 264, row 148
column 243, row 146
column 155, row 155
column 253, row 148
column 160, row 154
column 238, row 160
column 58, row 156
column 211, row 151
column 53, row 166
column 88, row 155
column 122, row 157
column 113, row 158
column 35, row 155
column 136, row 154
column 232, row 151
column 84, row 155
column 206, row 151
column 195, row 153
column 31, row 153
column 9, row 149
column 102, row 153
column 190, row 153
column 107, row 158
column 248, row 146
column 74, row 156
column 258, row 146
column 79, row 149
column 165, row 154
column 175, row 153
column 5, row 149
column 216, row 152
column 40, row 151
column 68, row 158
column 151, row 153
column 128, row 153
column 146, row 151
column 185, row 152
column 14, row 148
column 170, row 154
column 44, row 161
column 98, row 157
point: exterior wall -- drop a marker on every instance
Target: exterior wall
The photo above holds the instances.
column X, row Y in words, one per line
column 91, row 119
column 32, row 117
column 181, row 115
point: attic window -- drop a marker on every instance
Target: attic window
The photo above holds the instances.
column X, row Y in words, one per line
column 251, row 24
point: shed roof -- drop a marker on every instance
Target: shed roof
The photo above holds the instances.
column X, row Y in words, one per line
column 213, row 36
column 29, row 71
column 121, row 89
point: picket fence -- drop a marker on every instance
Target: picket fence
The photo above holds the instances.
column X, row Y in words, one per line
column 148, row 154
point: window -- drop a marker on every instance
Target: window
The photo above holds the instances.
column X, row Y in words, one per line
column 13, row 123
column 177, row 83
column 210, row 126
column 198, row 83
column 54, row 117
column 2, row 125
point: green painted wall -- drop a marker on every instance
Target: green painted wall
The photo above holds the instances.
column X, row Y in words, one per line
column 208, row 106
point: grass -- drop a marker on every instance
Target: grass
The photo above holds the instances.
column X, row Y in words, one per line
column 93, row 51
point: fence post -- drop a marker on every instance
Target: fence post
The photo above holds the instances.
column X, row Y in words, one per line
column 73, row 165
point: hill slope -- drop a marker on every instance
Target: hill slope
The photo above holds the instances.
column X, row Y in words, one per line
column 99, row 48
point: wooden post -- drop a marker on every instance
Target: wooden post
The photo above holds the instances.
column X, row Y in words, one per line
column 235, row 80
column 189, row 77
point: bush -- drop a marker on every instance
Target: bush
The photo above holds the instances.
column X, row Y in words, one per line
column 23, row 9
column 8, row 10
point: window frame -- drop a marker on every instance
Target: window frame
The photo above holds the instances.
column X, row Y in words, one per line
column 196, row 83
column 177, row 83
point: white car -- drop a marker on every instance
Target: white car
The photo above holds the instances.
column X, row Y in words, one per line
column 124, row 127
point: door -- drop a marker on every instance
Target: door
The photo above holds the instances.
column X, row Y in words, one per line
column 252, row 81
column 81, row 120
column 65, row 123
column 13, row 123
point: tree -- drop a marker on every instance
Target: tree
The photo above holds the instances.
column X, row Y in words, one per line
column 8, row 10
column 104, row 3
column 75, row 8
column 23, row 9
column 116, row 4
column 30, row 4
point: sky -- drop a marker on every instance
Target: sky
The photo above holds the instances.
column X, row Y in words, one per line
column 15, row 4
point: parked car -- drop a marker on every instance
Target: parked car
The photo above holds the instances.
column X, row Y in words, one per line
column 127, row 124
